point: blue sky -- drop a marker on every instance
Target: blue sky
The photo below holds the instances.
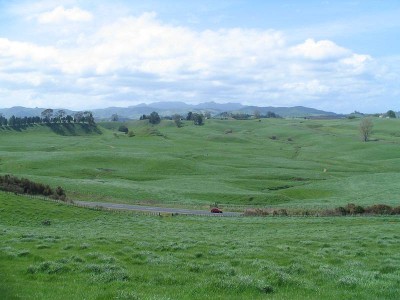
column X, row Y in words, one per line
column 334, row 55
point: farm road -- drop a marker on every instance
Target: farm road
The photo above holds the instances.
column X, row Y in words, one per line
column 153, row 209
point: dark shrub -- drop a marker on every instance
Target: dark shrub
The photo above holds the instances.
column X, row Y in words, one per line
column 341, row 211
column 379, row 209
column 396, row 210
column 283, row 212
column 16, row 185
column 280, row 212
column 123, row 129
column 359, row 209
column 353, row 209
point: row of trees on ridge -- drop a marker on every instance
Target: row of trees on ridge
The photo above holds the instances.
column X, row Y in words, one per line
column 48, row 116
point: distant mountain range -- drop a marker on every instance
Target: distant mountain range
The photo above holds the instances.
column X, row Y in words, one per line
column 170, row 108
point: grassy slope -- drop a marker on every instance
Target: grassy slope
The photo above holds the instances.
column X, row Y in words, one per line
column 87, row 254
column 196, row 166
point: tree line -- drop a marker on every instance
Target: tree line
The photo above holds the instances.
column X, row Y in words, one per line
column 154, row 118
column 47, row 117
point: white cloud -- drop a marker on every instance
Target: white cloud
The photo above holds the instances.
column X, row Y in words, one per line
column 143, row 59
column 320, row 50
column 61, row 15
column 26, row 51
column 356, row 63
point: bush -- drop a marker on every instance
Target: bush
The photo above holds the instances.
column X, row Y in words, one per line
column 379, row 209
column 16, row 185
column 396, row 210
column 350, row 209
column 353, row 209
column 123, row 129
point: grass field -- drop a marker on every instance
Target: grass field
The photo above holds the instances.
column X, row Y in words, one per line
column 275, row 162
column 86, row 254
column 55, row 251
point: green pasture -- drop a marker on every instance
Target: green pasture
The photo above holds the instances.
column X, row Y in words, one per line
column 55, row 251
column 272, row 162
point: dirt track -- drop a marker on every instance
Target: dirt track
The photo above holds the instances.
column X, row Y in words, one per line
column 156, row 209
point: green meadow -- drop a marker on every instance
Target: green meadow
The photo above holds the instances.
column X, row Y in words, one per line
column 275, row 162
column 87, row 254
column 51, row 250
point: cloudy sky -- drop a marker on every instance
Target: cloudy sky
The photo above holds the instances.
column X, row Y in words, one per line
column 333, row 55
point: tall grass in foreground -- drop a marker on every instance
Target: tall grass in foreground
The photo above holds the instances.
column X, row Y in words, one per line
column 86, row 254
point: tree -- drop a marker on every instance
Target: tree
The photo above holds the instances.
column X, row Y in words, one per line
column 189, row 116
column 78, row 116
column 69, row 118
column 11, row 121
column 114, row 118
column 154, row 118
column 123, row 129
column 61, row 115
column 366, row 128
column 47, row 114
column 178, row 120
column 391, row 114
column 271, row 114
column 198, row 119
column 88, row 117
column 257, row 114
column 3, row 120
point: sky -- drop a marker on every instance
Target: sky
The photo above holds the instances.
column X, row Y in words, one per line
column 338, row 56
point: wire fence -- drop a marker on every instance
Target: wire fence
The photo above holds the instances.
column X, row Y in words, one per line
column 101, row 207
column 247, row 211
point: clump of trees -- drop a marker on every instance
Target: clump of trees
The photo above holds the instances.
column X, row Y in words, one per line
column 245, row 116
column 240, row 116
column 10, row 183
column 391, row 114
column 114, row 118
column 48, row 117
column 154, row 118
column 198, row 119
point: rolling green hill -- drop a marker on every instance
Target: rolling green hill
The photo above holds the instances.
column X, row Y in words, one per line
column 274, row 162
column 53, row 250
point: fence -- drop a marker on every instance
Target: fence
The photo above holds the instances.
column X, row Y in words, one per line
column 121, row 210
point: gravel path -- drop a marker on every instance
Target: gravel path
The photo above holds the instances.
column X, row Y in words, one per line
column 156, row 209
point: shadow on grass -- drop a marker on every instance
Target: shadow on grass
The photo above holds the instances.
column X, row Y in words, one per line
column 73, row 128
column 18, row 128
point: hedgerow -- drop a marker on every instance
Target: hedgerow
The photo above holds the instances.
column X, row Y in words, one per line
column 10, row 183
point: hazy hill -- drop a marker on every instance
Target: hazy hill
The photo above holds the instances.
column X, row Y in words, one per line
column 170, row 108
column 296, row 111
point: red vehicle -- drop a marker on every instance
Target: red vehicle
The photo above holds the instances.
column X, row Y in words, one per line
column 216, row 210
